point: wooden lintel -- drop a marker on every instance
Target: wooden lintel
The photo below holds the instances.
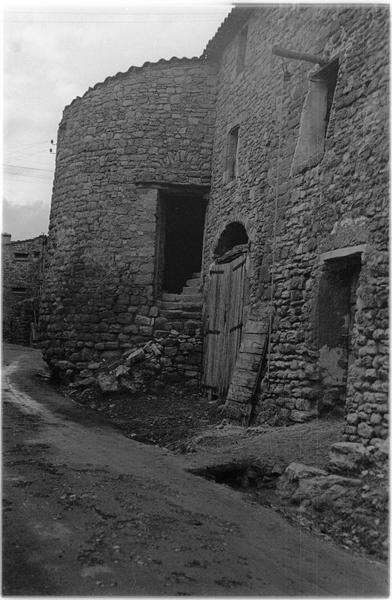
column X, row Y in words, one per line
column 285, row 53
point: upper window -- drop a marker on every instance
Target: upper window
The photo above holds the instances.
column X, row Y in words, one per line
column 19, row 290
column 241, row 50
column 232, row 153
column 21, row 255
column 315, row 117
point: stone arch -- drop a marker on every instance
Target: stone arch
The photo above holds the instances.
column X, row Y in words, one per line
column 234, row 234
column 226, row 306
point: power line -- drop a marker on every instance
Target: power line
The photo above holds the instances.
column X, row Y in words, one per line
column 104, row 13
column 30, row 176
column 26, row 146
column 26, row 167
column 37, row 154
column 106, row 22
column 15, row 155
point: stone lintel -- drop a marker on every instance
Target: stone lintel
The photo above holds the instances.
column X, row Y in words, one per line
column 342, row 252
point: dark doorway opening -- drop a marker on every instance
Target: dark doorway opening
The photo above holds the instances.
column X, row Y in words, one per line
column 182, row 227
column 337, row 307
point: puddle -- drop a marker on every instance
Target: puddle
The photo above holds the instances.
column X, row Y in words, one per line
column 244, row 476
column 256, row 482
column 25, row 403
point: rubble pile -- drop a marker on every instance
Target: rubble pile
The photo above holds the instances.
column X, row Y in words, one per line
column 349, row 500
column 171, row 359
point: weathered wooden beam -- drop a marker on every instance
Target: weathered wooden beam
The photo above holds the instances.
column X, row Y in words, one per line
column 318, row 60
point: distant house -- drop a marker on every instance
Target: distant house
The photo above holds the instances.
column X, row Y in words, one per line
column 241, row 200
column 22, row 269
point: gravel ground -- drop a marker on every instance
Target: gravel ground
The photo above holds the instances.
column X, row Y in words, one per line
column 88, row 512
column 187, row 423
column 166, row 417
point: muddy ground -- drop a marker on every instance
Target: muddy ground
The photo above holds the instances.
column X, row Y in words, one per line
column 88, row 511
column 167, row 417
column 186, row 422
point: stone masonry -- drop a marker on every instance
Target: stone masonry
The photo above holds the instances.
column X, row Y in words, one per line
column 23, row 266
column 126, row 139
column 296, row 152
column 339, row 203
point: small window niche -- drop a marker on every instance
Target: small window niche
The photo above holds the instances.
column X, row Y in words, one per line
column 315, row 118
column 232, row 154
column 21, row 256
column 241, row 50
column 19, row 291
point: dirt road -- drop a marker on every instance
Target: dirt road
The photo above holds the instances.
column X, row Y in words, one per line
column 88, row 511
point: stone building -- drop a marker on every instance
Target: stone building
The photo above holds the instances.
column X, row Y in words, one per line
column 22, row 268
column 235, row 207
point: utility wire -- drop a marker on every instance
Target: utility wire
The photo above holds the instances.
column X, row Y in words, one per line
column 108, row 22
column 21, row 155
column 26, row 146
column 26, row 167
column 30, row 176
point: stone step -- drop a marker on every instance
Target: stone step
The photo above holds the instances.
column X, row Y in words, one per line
column 169, row 297
column 196, row 275
column 191, row 290
column 193, row 306
column 167, row 304
column 194, row 292
column 191, row 298
column 179, row 305
column 181, row 314
column 195, row 281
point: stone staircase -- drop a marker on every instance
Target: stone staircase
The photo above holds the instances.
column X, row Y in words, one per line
column 184, row 311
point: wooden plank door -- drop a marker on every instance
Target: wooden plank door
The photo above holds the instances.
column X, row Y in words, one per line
column 225, row 322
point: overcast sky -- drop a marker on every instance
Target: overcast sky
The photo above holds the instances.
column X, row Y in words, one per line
column 50, row 57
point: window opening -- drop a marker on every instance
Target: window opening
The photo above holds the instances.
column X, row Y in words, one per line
column 21, row 255
column 20, row 291
column 241, row 50
column 232, row 153
column 315, row 117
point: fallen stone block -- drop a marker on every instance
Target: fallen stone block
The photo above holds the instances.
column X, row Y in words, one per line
column 107, row 382
column 323, row 488
column 121, row 370
column 85, row 382
column 93, row 366
column 288, row 482
column 64, row 364
column 301, row 416
column 134, row 356
column 347, row 457
column 302, row 484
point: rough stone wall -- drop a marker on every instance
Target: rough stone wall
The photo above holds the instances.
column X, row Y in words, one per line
column 119, row 143
column 23, row 265
column 341, row 202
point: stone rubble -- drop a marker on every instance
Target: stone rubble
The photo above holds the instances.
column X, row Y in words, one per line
column 165, row 360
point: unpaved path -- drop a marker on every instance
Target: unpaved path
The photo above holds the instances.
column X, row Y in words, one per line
column 89, row 512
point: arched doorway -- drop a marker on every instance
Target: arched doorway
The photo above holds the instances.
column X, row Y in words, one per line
column 227, row 295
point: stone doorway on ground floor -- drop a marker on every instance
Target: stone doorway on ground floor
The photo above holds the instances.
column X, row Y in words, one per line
column 227, row 298
column 337, row 306
column 181, row 216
